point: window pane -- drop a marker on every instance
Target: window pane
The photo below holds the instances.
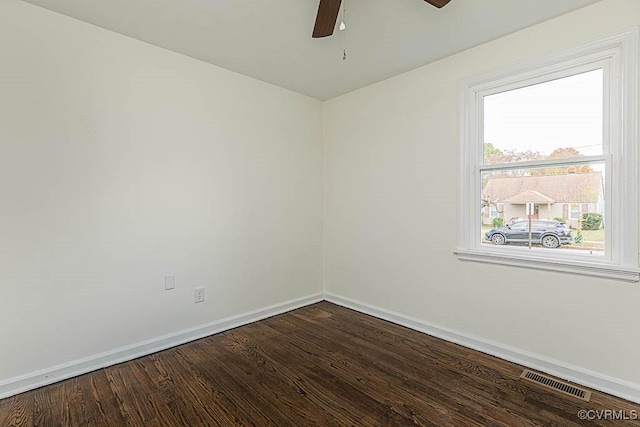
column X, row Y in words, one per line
column 556, row 119
column 566, row 202
column 575, row 211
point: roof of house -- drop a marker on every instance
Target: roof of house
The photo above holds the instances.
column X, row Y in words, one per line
column 567, row 188
column 529, row 196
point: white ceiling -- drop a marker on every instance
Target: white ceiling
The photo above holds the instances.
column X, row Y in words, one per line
column 270, row 40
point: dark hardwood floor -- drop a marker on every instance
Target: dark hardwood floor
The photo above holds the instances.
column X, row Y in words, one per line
column 320, row 365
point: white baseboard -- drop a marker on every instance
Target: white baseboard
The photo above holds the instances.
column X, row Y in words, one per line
column 614, row 386
column 74, row 368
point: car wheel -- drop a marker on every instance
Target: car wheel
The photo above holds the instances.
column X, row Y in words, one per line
column 550, row 242
column 498, row 239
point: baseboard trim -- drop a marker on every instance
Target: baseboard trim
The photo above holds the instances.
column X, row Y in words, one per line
column 614, row 386
column 74, row 368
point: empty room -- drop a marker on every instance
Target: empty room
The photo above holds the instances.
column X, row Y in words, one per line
column 319, row 212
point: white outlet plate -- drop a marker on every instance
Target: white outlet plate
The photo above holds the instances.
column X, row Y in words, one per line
column 198, row 295
column 169, row 282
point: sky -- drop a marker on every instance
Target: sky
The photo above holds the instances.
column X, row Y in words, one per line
column 557, row 114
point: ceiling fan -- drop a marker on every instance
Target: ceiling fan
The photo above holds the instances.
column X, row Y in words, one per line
column 328, row 15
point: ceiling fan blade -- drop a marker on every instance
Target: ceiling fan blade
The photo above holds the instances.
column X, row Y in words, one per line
column 438, row 3
column 326, row 18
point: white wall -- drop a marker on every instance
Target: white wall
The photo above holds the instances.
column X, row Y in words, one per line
column 121, row 162
column 391, row 176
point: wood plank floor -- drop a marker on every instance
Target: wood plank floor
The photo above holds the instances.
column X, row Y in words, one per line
column 320, row 365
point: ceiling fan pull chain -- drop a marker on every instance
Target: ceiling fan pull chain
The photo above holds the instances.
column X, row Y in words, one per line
column 343, row 27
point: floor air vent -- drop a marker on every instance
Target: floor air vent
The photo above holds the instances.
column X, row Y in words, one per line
column 552, row 383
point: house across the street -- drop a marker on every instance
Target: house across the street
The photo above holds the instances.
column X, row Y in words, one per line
column 566, row 195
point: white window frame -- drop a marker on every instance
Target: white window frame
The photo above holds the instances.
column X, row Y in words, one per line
column 617, row 55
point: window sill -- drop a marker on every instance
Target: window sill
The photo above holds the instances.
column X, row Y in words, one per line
column 593, row 269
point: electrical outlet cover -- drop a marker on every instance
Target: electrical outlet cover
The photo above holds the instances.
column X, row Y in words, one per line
column 198, row 295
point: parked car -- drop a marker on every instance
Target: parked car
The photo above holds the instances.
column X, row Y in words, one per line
column 548, row 233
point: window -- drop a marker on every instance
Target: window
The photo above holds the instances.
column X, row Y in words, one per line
column 574, row 211
column 520, row 226
column 550, row 141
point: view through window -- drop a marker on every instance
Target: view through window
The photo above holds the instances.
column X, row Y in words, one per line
column 543, row 172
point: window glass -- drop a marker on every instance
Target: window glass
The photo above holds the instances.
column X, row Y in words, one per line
column 558, row 194
column 557, row 119
column 574, row 213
